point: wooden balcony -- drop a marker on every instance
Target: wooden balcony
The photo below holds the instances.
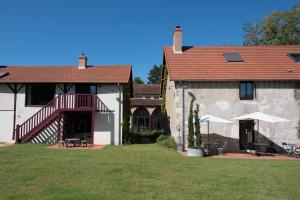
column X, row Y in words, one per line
column 53, row 110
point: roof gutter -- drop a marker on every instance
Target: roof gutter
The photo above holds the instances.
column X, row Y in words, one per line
column 183, row 114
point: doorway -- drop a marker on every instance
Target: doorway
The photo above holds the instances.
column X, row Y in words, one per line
column 78, row 125
column 246, row 134
column 140, row 119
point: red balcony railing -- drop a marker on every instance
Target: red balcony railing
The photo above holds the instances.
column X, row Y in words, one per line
column 49, row 112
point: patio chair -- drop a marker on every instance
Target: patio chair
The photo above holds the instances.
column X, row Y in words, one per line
column 221, row 148
column 206, row 150
column 84, row 143
column 288, row 149
column 62, row 143
column 297, row 152
column 84, row 140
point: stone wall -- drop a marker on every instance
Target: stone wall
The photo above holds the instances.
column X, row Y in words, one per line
column 222, row 99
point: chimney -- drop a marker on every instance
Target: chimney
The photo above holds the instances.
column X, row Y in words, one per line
column 82, row 61
column 177, row 40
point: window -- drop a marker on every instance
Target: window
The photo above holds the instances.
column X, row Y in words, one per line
column 140, row 119
column 85, row 89
column 39, row 94
column 157, row 119
column 295, row 56
column 233, row 57
column 246, row 90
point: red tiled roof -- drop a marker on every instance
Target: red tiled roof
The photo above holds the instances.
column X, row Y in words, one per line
column 66, row 74
column 144, row 102
column 208, row 63
column 149, row 89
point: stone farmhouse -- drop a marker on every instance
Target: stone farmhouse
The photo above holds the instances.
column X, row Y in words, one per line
column 231, row 81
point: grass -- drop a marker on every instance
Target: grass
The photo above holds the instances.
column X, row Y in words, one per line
column 140, row 172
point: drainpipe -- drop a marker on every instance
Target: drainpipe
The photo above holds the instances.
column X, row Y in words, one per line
column 183, row 116
column 120, row 132
column 15, row 90
column 15, row 113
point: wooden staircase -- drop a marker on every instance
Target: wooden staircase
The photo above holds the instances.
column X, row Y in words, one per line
column 53, row 111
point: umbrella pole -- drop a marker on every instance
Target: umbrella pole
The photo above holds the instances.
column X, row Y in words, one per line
column 208, row 133
column 257, row 130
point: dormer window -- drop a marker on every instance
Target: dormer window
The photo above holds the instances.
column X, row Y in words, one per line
column 295, row 56
column 233, row 57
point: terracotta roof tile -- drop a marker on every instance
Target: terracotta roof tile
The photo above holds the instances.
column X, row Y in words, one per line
column 208, row 63
column 149, row 89
column 144, row 102
column 66, row 74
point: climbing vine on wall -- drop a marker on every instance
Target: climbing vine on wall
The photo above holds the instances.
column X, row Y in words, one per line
column 164, row 89
column 197, row 127
column 191, row 125
column 126, row 111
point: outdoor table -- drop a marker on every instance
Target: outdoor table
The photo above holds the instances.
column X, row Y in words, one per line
column 211, row 148
column 72, row 141
column 260, row 148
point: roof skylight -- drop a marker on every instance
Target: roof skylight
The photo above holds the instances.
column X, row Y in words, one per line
column 233, row 57
column 295, row 56
column 3, row 74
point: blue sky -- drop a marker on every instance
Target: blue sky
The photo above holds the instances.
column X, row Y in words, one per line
column 56, row 32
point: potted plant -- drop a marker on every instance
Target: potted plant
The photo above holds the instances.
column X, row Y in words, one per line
column 179, row 144
column 195, row 149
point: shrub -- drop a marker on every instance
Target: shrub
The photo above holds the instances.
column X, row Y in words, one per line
column 143, row 137
column 167, row 141
column 161, row 138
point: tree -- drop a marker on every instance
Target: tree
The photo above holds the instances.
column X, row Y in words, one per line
column 154, row 75
column 283, row 27
column 138, row 80
column 197, row 127
column 279, row 28
column 253, row 34
column 191, row 125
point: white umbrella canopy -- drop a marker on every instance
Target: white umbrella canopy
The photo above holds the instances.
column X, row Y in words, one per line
column 262, row 117
column 259, row 116
column 211, row 118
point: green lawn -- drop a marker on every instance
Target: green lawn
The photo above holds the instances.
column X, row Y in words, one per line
column 140, row 172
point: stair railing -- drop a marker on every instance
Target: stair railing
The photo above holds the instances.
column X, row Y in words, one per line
column 38, row 118
column 62, row 102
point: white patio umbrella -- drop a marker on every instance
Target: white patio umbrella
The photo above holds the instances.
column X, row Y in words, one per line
column 210, row 118
column 259, row 116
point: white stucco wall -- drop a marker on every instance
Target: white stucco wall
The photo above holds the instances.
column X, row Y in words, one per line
column 22, row 113
column 6, row 113
column 106, row 125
